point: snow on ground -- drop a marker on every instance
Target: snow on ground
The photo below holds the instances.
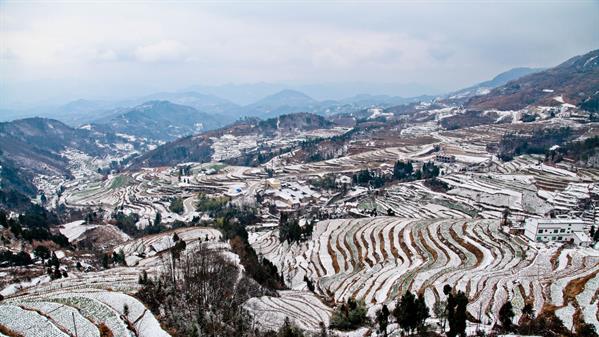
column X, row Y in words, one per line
column 15, row 287
column 304, row 309
column 73, row 230
column 375, row 259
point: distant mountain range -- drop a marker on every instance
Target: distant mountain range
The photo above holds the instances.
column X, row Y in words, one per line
column 166, row 116
column 209, row 104
column 575, row 81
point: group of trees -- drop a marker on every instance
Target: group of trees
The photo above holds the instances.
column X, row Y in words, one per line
column 211, row 205
column 126, row 222
column 117, row 258
column 539, row 142
column 53, row 266
column 205, row 299
column 349, row 315
column 327, row 182
column 291, row 231
column 546, row 324
column 8, row 258
column 455, row 311
column 402, row 171
column 232, row 221
column 34, row 224
column 580, row 150
column 411, row 312
column 176, row 206
column 368, row 177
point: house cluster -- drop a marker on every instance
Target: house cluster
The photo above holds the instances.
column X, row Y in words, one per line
column 557, row 230
column 289, row 195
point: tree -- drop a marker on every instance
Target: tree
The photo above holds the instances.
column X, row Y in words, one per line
column 176, row 206
column 54, row 261
column 176, row 250
column 456, row 312
column 440, row 310
column 402, row 170
column 157, row 219
column 505, row 217
column 289, row 229
column 382, row 319
column 528, row 311
column 411, row 312
column 586, row 330
column 506, row 315
column 3, row 219
column 323, row 330
column 125, row 310
column 105, row 261
column 118, row 257
column 309, row 283
column 289, row 330
column 349, row 316
column 429, row 170
column 422, row 312
column 42, row 252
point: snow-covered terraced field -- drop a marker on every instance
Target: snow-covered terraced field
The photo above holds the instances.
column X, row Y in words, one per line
column 95, row 298
column 149, row 191
column 141, row 252
column 304, row 309
column 61, row 312
column 376, row 259
column 509, row 185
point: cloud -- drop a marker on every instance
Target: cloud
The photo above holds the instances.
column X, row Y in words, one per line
column 175, row 45
column 163, row 51
column 106, row 55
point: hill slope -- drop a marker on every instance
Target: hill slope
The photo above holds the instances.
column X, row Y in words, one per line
column 159, row 120
column 483, row 88
column 575, row 81
column 199, row 148
column 36, row 146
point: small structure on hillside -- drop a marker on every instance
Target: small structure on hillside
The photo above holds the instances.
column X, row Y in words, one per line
column 445, row 158
column 557, row 230
column 343, row 180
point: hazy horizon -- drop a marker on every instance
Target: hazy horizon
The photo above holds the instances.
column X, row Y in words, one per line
column 58, row 52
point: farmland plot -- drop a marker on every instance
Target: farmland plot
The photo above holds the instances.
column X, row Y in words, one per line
column 376, row 259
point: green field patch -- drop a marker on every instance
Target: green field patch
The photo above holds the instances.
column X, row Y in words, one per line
column 119, row 181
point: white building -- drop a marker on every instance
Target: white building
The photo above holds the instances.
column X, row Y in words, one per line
column 445, row 158
column 558, row 230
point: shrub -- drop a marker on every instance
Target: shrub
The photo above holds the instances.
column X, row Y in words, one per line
column 176, row 206
column 349, row 316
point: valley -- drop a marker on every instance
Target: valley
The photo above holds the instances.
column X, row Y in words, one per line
column 154, row 225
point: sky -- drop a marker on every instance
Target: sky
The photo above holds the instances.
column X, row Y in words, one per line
column 61, row 51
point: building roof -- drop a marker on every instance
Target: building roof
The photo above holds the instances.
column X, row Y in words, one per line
column 582, row 236
column 556, row 221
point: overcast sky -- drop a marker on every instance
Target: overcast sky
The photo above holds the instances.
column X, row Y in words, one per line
column 69, row 50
